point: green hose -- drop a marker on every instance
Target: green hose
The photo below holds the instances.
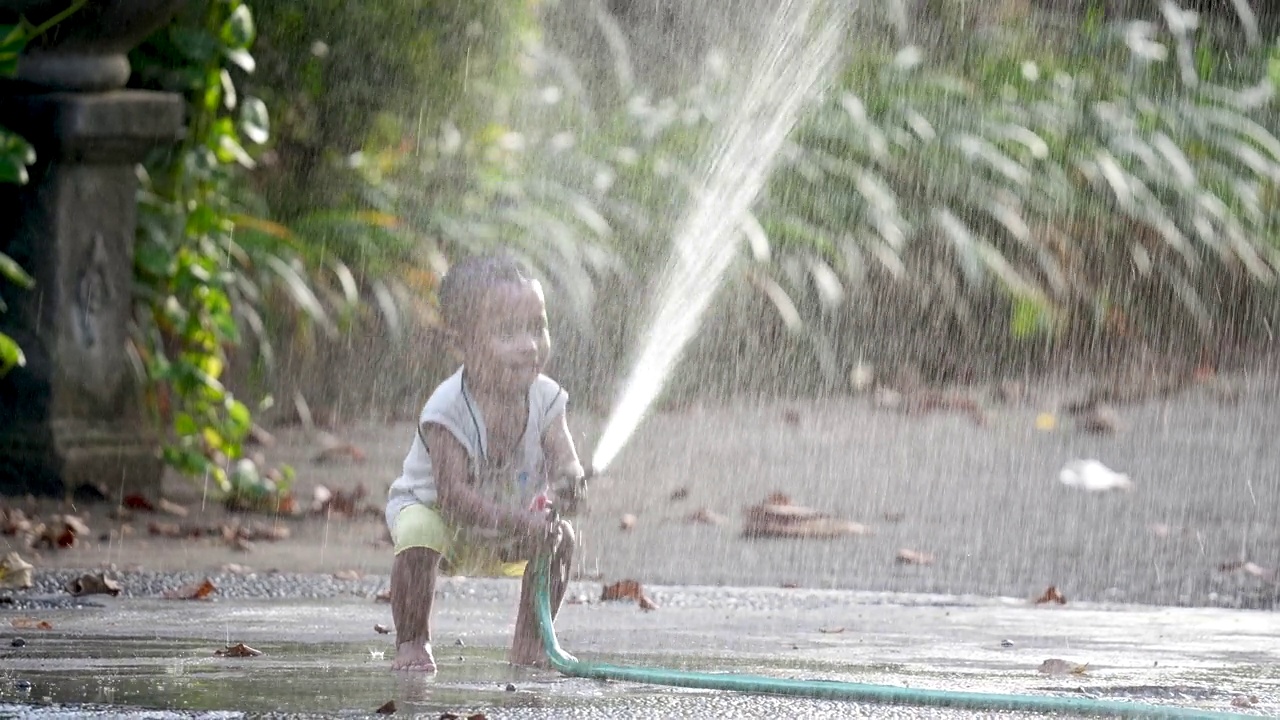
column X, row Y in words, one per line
column 833, row 690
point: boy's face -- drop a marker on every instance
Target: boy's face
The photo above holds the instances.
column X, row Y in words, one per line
column 509, row 342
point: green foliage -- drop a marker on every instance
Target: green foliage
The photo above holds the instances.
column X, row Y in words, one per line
column 356, row 94
column 338, row 74
column 1092, row 190
column 16, row 155
column 10, row 353
column 195, row 283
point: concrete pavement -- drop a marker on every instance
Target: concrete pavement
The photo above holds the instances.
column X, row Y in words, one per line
column 323, row 657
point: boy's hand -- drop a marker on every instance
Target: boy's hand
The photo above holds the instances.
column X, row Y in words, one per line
column 570, row 494
column 536, row 526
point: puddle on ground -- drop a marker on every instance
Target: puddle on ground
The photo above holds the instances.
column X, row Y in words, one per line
column 288, row 678
column 64, row 675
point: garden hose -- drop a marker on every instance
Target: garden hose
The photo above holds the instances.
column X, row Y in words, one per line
column 835, row 690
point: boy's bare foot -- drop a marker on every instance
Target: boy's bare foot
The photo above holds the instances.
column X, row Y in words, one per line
column 415, row 657
column 534, row 657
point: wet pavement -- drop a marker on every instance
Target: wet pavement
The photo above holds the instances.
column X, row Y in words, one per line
column 324, row 657
column 984, row 501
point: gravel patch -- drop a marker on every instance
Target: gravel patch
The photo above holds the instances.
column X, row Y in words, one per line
column 49, row 592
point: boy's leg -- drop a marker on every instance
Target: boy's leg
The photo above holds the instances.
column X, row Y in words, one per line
column 526, row 646
column 413, row 587
column 421, row 537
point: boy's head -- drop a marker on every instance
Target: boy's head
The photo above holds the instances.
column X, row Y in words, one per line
column 497, row 316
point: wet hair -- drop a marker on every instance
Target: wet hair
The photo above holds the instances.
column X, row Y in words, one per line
column 463, row 289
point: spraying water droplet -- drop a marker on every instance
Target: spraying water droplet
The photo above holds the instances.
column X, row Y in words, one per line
column 793, row 64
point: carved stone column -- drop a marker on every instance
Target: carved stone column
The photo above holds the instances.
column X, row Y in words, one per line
column 74, row 415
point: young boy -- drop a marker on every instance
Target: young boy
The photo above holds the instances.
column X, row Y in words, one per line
column 492, row 444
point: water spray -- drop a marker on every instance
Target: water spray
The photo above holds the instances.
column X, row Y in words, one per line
column 799, row 53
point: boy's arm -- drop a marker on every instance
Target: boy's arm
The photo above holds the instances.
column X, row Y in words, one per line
column 563, row 465
column 458, row 500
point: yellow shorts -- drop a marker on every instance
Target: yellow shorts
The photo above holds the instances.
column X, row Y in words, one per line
column 422, row 526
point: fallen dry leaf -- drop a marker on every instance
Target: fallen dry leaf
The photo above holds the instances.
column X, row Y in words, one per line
column 382, row 629
column 138, row 502
column 167, row 530
column 241, row 536
column 30, row 623
column 93, row 584
column 774, row 519
column 621, row 590
column 15, row 572
column 14, row 522
column 913, row 557
column 191, row 591
column 1249, row 568
column 1244, row 701
column 1101, row 420
column 679, row 494
column 114, row 534
column 254, row 532
column 61, row 537
column 285, row 505
column 387, row 708
column 628, row 521
column 924, row 402
column 339, row 451
column 75, row 525
column 705, row 517
column 1051, row 595
column 172, row 508
column 1057, row 666
column 831, row 631
column 63, row 531
column 348, row 575
column 239, row 650
column 628, row 590
column 338, row 502
column 258, row 436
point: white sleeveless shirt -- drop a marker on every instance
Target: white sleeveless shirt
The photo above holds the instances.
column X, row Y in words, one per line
column 452, row 406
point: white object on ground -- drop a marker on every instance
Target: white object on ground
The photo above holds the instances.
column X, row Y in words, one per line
column 1093, row 476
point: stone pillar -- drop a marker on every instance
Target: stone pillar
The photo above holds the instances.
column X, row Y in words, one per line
column 74, row 415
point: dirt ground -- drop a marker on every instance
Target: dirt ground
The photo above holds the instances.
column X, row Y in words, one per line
column 982, row 501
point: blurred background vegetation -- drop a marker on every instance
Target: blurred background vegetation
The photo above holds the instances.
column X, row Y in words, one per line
column 990, row 190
